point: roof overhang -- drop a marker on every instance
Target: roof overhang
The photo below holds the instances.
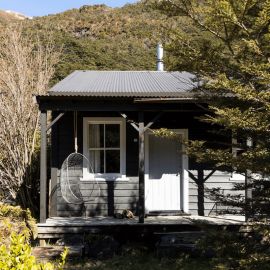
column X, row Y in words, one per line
column 86, row 103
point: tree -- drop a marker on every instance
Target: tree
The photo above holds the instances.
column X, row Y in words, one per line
column 26, row 67
column 231, row 55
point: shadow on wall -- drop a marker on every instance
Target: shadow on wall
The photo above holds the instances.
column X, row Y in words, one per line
column 212, row 201
column 112, row 199
column 133, row 202
column 200, row 180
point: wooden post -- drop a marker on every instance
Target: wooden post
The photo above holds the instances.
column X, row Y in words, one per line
column 141, row 168
column 200, row 185
column 43, row 168
column 248, row 195
column 248, row 188
column 52, row 211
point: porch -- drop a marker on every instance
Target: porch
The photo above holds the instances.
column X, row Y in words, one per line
column 57, row 227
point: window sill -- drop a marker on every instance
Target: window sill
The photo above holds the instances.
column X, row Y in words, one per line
column 105, row 179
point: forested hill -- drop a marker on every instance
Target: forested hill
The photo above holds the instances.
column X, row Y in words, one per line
column 103, row 38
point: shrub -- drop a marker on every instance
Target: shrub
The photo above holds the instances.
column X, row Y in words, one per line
column 15, row 219
column 18, row 256
column 238, row 250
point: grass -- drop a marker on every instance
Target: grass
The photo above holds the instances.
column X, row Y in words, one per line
column 141, row 261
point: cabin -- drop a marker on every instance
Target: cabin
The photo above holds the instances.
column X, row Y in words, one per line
column 113, row 120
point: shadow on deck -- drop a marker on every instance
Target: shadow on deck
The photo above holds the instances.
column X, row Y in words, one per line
column 56, row 227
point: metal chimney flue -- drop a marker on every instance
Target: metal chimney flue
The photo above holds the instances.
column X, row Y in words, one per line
column 160, row 64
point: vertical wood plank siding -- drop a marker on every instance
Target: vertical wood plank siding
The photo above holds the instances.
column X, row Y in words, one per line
column 126, row 193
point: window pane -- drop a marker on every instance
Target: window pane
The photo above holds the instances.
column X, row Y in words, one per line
column 113, row 161
column 96, row 135
column 96, row 159
column 112, row 134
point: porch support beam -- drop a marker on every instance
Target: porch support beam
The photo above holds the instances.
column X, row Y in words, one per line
column 141, row 168
column 133, row 125
column 43, row 167
column 153, row 120
column 131, row 122
column 248, row 187
column 54, row 121
column 248, row 195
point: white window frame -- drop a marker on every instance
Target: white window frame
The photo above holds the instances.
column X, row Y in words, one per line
column 87, row 176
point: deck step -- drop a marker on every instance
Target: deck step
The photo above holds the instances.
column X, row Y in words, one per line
column 171, row 242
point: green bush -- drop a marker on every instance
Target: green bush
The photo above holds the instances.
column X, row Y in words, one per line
column 15, row 219
column 238, row 250
column 18, row 256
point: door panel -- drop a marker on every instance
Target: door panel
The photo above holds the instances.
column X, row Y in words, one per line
column 164, row 171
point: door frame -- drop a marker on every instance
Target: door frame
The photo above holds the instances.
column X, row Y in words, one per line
column 184, row 177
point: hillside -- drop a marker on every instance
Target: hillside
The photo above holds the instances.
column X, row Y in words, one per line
column 103, row 38
column 9, row 17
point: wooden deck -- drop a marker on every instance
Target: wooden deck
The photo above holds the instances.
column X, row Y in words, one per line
column 57, row 226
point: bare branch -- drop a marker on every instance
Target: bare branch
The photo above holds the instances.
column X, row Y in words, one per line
column 26, row 67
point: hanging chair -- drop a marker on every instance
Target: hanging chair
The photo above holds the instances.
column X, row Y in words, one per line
column 72, row 173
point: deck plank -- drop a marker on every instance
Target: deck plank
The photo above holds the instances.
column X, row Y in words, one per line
column 111, row 221
column 57, row 226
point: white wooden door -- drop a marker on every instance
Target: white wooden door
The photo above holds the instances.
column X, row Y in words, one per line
column 163, row 174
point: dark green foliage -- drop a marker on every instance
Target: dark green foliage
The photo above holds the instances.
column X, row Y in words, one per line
column 237, row 250
column 140, row 258
column 18, row 255
column 15, row 219
column 229, row 50
column 102, row 38
column 217, row 250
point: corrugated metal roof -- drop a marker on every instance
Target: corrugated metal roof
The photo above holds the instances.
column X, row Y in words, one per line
column 125, row 84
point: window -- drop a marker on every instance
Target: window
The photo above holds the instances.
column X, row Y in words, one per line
column 104, row 146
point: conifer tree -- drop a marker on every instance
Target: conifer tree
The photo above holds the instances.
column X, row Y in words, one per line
column 229, row 50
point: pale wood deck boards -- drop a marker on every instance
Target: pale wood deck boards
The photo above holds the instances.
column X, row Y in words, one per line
column 159, row 220
column 56, row 227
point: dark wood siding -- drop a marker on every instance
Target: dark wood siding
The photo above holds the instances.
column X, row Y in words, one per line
column 218, row 180
column 114, row 197
column 120, row 195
